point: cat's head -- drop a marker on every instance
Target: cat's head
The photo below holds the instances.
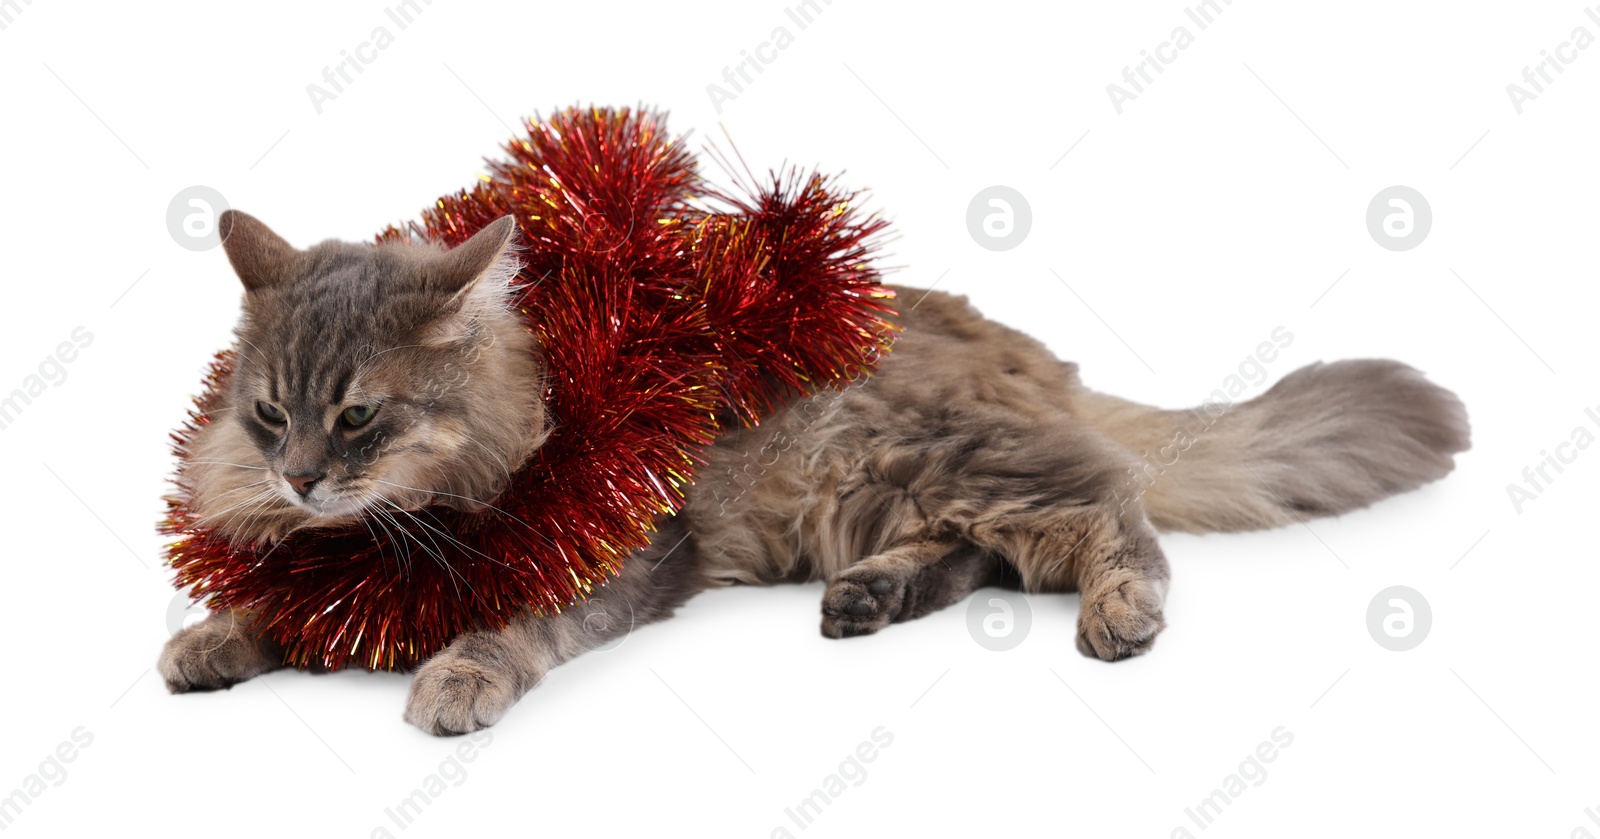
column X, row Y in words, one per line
column 368, row 378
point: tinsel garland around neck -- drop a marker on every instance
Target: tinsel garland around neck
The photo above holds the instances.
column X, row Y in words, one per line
column 661, row 320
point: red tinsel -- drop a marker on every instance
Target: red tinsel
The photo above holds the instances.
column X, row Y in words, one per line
column 661, row 319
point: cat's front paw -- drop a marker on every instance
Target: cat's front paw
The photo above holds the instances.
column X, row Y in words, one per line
column 862, row 600
column 456, row 693
column 1120, row 621
column 216, row 653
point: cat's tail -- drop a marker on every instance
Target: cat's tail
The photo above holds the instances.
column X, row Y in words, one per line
column 1327, row 439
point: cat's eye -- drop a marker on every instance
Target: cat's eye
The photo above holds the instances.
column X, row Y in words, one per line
column 271, row 413
column 356, row 416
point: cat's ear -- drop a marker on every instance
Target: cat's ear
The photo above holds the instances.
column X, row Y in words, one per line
column 479, row 275
column 260, row 257
column 474, row 260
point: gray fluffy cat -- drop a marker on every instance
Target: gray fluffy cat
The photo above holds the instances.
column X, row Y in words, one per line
column 973, row 457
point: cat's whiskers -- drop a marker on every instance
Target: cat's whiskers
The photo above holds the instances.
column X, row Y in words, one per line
column 428, row 491
column 379, row 544
column 234, row 491
column 243, row 510
column 487, row 505
column 449, row 538
column 252, row 498
column 398, row 546
column 437, row 552
column 437, row 557
column 230, row 463
column 400, row 528
column 264, row 508
column 452, row 539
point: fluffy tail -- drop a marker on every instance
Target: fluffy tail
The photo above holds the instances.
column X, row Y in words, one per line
column 1327, row 439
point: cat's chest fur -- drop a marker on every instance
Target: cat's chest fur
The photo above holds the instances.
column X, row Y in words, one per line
column 816, row 485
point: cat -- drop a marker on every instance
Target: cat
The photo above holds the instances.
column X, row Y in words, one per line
column 972, row 457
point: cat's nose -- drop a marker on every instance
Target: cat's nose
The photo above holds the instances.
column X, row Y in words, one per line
column 302, row 483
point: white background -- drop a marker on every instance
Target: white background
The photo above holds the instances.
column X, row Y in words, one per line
column 1184, row 230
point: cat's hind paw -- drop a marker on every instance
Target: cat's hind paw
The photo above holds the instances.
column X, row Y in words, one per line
column 862, row 600
column 1121, row 621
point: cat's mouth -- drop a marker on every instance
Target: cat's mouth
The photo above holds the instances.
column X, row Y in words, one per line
column 335, row 508
column 337, row 499
column 325, row 504
column 331, row 504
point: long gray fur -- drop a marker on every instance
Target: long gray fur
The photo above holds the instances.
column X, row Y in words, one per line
column 972, row 457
